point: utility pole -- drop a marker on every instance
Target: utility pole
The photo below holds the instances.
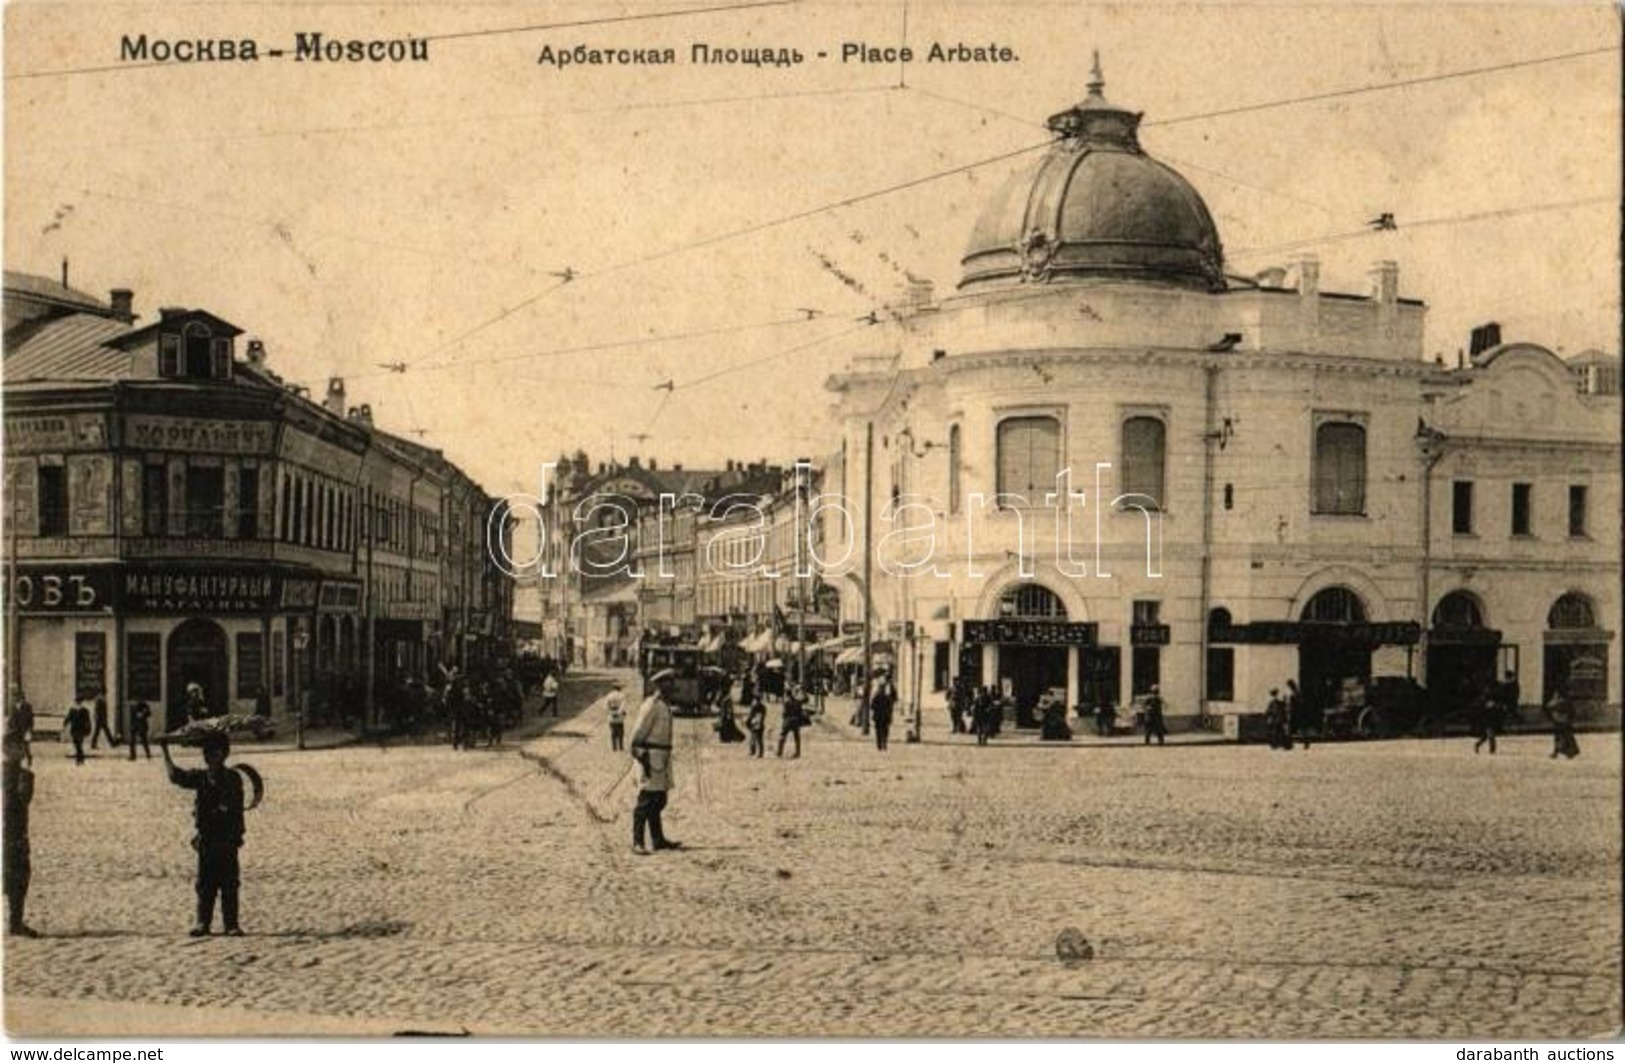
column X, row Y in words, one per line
column 868, row 571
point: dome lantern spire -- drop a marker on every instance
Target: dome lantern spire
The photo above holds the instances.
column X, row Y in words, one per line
column 1095, row 123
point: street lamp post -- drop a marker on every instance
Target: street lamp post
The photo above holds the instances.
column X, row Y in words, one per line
column 301, row 639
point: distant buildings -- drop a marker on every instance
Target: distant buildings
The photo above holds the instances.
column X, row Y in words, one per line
column 176, row 514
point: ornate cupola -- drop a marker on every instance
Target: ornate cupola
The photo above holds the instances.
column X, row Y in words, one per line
column 1095, row 206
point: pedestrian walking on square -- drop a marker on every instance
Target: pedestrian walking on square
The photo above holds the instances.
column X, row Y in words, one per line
column 1155, row 722
column 18, row 795
column 956, row 707
column 218, row 816
column 458, row 709
column 1297, row 716
column 1106, row 719
column 793, row 719
column 140, row 723
column 756, row 727
column 20, row 722
column 550, row 695
column 196, row 707
column 617, row 717
column 1561, row 712
column 77, row 723
column 981, row 715
column 651, row 748
column 728, row 731
column 1486, row 719
column 99, row 726
column 1275, row 721
column 882, row 704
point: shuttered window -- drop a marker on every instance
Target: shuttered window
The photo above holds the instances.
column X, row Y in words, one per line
column 1029, row 457
column 1145, row 444
column 1339, row 479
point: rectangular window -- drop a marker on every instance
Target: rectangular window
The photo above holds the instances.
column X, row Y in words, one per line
column 1144, row 447
column 1147, row 613
column 250, row 664
column 1577, row 511
column 155, row 499
column 1461, row 507
column 205, row 503
column 53, row 500
column 1339, row 469
column 1221, row 673
column 1522, row 495
column 1029, row 458
column 248, row 503
column 169, row 355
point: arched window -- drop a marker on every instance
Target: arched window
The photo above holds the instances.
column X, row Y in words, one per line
column 1033, row 601
column 1029, row 457
column 1145, row 445
column 1458, row 610
column 1219, row 620
column 1572, row 611
column 1335, row 605
column 1339, row 473
column 953, row 469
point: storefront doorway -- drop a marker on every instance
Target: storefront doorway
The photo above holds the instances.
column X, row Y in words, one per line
column 1462, row 654
column 1576, row 656
column 197, row 654
column 1331, row 652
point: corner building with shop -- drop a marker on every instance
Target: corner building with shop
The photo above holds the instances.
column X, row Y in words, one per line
column 177, row 514
column 1276, row 482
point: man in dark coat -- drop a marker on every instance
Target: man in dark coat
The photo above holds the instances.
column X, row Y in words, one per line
column 1297, row 715
column 78, row 724
column 218, row 815
column 18, row 795
column 882, row 704
column 100, row 725
column 140, row 721
column 1155, row 722
column 20, row 722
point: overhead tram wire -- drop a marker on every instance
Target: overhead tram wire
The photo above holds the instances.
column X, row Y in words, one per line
column 644, row 341
column 1424, row 223
column 747, row 230
column 462, row 35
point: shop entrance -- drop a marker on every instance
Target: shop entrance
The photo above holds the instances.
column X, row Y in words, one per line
column 1030, row 671
column 197, row 654
column 1462, row 653
column 1576, row 658
column 1328, row 658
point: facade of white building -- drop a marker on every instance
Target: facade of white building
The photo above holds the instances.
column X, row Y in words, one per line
column 1104, row 464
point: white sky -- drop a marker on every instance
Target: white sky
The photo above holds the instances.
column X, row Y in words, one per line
column 356, row 215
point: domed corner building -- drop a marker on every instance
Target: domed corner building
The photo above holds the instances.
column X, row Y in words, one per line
column 1132, row 469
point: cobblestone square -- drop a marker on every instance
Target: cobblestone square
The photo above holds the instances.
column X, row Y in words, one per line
column 1402, row 889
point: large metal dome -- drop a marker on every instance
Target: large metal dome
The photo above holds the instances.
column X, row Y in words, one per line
column 1095, row 206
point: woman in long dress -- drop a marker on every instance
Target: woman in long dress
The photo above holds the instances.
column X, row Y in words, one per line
column 727, row 729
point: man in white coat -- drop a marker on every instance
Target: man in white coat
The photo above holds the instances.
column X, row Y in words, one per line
column 651, row 748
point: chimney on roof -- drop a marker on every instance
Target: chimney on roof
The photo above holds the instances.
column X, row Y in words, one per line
column 64, row 271
column 730, row 465
column 360, row 414
column 676, row 466
column 632, row 462
column 256, row 354
column 652, row 467
column 1484, row 337
column 122, row 301
column 165, row 313
column 335, row 395
column 1385, row 282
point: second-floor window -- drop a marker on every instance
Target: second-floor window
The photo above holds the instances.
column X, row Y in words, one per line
column 1145, row 444
column 1461, row 507
column 1339, row 470
column 1577, row 511
column 953, row 469
column 248, row 503
column 53, row 500
column 155, row 499
column 1029, row 458
column 1522, row 497
column 205, row 503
